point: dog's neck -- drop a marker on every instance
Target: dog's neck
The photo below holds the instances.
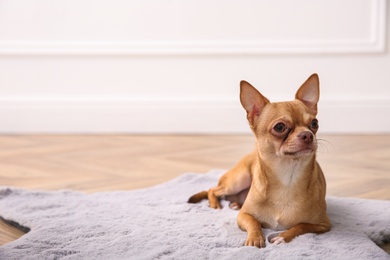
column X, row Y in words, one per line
column 287, row 171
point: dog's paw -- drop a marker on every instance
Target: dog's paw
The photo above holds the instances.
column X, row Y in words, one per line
column 215, row 206
column 235, row 205
column 277, row 240
column 255, row 241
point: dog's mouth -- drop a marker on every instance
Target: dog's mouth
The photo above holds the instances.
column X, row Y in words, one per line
column 299, row 153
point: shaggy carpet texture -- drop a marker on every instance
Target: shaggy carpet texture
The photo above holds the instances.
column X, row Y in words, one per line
column 157, row 223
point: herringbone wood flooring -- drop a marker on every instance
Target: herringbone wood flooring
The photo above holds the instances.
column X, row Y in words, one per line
column 355, row 166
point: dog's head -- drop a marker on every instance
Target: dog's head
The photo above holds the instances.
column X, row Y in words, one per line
column 284, row 129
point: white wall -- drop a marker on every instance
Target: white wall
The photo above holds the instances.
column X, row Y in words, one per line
column 173, row 66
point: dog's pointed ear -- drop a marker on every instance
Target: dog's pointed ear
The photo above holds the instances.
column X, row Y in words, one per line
column 252, row 101
column 309, row 93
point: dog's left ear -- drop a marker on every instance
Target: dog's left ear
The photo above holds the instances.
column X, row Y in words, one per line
column 309, row 93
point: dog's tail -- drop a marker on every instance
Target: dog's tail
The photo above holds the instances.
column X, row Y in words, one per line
column 198, row 197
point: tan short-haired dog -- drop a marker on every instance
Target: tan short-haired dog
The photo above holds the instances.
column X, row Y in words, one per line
column 280, row 185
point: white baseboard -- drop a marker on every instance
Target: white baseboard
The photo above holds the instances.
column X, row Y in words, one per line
column 94, row 116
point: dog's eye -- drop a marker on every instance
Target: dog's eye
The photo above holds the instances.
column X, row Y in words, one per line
column 280, row 127
column 314, row 124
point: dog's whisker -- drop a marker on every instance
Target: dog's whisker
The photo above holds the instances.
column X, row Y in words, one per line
column 322, row 145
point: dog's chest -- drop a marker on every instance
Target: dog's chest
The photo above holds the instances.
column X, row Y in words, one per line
column 284, row 206
column 282, row 211
column 284, row 202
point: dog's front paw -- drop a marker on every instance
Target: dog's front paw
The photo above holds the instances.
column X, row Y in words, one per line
column 277, row 240
column 257, row 241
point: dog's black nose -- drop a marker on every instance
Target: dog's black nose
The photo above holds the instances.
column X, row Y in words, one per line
column 306, row 136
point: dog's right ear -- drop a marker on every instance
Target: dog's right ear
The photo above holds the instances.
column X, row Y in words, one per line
column 252, row 101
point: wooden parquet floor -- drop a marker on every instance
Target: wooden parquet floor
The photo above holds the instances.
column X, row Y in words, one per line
column 355, row 166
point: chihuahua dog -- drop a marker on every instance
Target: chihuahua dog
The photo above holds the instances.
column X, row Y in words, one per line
column 279, row 185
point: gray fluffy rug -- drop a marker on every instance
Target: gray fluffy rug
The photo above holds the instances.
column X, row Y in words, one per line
column 157, row 223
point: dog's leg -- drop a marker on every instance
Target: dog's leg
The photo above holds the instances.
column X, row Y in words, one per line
column 237, row 200
column 232, row 183
column 214, row 194
column 300, row 229
column 230, row 186
column 249, row 224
